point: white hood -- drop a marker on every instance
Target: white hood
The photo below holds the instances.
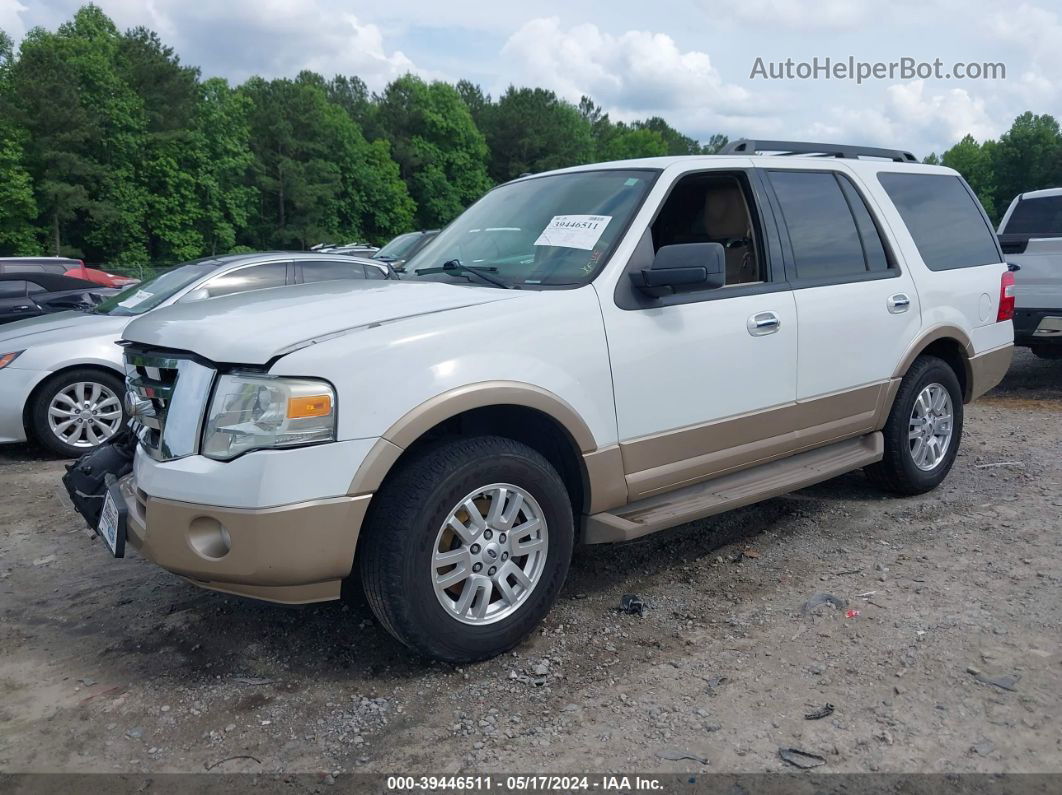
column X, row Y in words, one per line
column 254, row 327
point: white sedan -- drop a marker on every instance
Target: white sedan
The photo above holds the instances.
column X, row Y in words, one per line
column 61, row 375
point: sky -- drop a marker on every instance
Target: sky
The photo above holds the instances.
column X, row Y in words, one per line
column 690, row 61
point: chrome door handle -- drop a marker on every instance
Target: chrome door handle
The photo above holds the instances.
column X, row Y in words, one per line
column 763, row 323
column 898, row 303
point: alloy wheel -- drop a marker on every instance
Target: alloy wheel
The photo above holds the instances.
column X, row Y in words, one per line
column 489, row 554
column 84, row 414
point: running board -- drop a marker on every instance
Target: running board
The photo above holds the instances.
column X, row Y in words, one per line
column 733, row 491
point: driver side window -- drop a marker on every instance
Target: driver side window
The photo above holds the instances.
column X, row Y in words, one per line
column 713, row 208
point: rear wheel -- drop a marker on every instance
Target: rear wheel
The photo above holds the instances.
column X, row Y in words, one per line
column 78, row 410
column 1047, row 353
column 923, row 431
column 466, row 547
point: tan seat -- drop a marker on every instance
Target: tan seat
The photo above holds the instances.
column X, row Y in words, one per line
column 726, row 218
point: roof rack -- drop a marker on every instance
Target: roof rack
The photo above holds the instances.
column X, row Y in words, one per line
column 745, row 146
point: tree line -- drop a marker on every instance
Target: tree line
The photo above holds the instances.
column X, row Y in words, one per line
column 113, row 150
column 1026, row 157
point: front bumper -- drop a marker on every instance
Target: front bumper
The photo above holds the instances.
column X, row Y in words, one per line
column 293, row 554
column 1037, row 328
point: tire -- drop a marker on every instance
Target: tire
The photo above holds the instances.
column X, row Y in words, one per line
column 899, row 471
column 405, row 528
column 1051, row 354
column 104, row 391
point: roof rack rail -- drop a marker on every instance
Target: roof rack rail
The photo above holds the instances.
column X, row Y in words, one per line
column 745, row 146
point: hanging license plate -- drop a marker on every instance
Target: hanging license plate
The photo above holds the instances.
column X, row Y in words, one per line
column 113, row 519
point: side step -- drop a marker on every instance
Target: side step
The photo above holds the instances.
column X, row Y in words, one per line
column 733, row 491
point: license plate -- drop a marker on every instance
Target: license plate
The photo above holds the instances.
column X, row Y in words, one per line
column 112, row 523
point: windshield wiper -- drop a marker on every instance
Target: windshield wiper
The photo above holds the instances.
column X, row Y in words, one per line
column 455, row 266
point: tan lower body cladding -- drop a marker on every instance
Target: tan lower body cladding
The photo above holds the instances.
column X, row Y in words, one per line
column 665, row 461
column 292, row 554
column 693, row 472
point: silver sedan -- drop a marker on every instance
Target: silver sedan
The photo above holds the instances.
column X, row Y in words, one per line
column 61, row 375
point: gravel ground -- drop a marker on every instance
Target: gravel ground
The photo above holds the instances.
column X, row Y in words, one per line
column 952, row 662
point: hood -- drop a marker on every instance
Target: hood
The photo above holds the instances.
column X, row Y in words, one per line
column 57, row 327
column 256, row 326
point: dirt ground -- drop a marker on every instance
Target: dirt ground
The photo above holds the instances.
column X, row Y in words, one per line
column 953, row 662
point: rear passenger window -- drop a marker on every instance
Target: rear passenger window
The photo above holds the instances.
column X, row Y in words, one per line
column 830, row 228
column 326, row 271
column 944, row 219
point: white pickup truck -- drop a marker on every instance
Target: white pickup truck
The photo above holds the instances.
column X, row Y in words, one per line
column 584, row 356
column 1031, row 236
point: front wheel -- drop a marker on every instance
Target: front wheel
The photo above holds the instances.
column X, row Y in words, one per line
column 923, row 431
column 466, row 548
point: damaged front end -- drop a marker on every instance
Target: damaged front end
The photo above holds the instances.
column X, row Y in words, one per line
column 89, row 477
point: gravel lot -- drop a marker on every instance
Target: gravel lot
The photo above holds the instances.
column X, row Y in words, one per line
column 953, row 662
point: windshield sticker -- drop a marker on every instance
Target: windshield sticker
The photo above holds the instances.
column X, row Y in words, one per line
column 573, row 231
column 137, row 298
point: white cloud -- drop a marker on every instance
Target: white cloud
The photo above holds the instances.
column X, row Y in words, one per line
column 794, row 14
column 910, row 113
column 11, row 18
column 636, row 71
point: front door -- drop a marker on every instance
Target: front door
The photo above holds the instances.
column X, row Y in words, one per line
column 701, row 376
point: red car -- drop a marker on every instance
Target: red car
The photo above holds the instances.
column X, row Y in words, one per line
column 61, row 266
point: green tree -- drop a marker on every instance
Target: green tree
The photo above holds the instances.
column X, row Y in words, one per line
column 167, row 168
column 626, row 143
column 18, row 209
column 1027, row 157
column 83, row 129
column 931, row 159
column 675, row 142
column 532, row 130
column 223, row 164
column 974, row 162
column 316, row 176
column 441, row 154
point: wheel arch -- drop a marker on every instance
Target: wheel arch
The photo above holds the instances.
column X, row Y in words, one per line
column 523, row 412
column 949, row 343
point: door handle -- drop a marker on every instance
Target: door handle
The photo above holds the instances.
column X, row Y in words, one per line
column 763, row 323
column 898, row 303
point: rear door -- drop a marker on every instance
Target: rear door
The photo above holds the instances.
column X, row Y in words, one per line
column 857, row 307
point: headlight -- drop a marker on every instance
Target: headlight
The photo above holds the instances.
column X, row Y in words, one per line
column 252, row 412
column 7, row 358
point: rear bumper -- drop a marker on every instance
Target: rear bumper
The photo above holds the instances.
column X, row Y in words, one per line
column 1038, row 327
column 987, row 370
column 292, row 554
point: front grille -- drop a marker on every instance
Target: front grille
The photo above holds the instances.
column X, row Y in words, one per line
column 167, row 399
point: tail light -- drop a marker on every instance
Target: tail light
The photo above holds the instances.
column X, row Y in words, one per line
column 1006, row 298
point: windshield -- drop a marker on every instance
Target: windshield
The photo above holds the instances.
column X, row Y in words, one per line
column 399, row 247
column 139, row 298
column 555, row 230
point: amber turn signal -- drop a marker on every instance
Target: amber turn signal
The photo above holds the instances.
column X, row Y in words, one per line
column 309, row 406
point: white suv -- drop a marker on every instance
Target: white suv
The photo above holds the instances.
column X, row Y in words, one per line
column 584, row 356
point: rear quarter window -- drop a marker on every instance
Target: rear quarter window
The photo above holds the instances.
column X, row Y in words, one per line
column 944, row 218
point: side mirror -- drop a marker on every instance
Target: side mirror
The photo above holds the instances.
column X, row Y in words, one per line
column 699, row 265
